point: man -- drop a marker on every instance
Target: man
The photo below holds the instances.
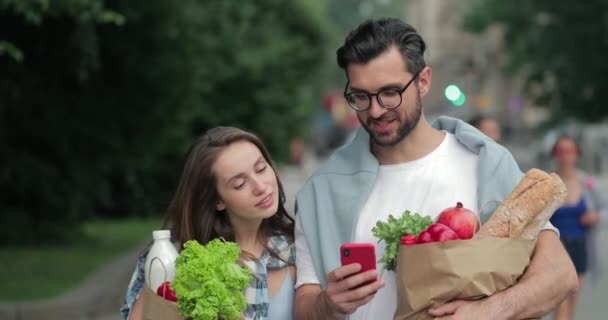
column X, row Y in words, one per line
column 399, row 162
column 488, row 125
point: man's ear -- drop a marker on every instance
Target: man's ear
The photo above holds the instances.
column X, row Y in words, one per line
column 424, row 81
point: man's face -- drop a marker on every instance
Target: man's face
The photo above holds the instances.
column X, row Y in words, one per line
column 490, row 128
column 388, row 127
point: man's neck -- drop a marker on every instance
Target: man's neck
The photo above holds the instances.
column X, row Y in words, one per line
column 419, row 143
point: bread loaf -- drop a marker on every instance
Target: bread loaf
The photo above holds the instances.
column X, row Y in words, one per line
column 532, row 177
column 527, row 208
column 559, row 194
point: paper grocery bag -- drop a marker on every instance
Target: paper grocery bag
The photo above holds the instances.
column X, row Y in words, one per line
column 158, row 308
column 436, row 273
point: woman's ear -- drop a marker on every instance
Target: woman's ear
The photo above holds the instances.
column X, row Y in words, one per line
column 220, row 206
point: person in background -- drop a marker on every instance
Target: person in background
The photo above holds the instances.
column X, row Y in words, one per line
column 229, row 189
column 488, row 125
column 576, row 217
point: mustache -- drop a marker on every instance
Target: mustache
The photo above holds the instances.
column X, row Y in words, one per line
column 385, row 117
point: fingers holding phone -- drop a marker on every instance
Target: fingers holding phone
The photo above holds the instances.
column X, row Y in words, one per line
column 356, row 282
column 362, row 253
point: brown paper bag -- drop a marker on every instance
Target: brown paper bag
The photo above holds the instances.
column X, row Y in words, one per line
column 158, row 308
column 439, row 272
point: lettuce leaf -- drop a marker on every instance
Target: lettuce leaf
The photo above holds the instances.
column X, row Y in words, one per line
column 208, row 282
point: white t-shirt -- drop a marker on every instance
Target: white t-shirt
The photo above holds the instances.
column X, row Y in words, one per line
column 426, row 186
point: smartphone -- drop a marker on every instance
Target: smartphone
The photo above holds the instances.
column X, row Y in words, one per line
column 361, row 253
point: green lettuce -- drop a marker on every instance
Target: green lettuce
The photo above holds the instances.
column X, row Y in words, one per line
column 208, row 282
column 393, row 229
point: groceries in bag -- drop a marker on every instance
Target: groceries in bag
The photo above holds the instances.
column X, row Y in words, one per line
column 433, row 273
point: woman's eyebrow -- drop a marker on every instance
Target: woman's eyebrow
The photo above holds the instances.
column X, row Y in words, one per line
column 242, row 174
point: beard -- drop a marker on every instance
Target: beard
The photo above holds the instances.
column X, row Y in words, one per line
column 406, row 126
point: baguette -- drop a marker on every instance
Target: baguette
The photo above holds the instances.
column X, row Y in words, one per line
column 532, row 202
column 533, row 228
column 532, row 177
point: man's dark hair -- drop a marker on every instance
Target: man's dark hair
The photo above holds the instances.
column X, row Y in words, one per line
column 375, row 36
column 478, row 119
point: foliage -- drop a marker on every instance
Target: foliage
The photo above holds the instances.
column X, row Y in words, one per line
column 391, row 231
column 208, row 283
column 557, row 45
column 100, row 99
column 35, row 273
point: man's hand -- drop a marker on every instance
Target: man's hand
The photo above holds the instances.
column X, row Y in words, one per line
column 548, row 280
column 463, row 309
column 338, row 300
column 342, row 297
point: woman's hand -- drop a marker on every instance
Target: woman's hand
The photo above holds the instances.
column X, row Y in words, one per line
column 136, row 311
column 589, row 218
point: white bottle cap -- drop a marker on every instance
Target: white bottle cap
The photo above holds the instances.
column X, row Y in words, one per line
column 161, row 234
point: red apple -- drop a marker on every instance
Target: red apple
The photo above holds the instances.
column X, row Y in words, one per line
column 462, row 220
column 164, row 290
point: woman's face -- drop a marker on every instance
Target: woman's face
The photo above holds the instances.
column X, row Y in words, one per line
column 566, row 153
column 246, row 183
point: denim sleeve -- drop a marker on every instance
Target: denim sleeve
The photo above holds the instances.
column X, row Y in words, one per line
column 135, row 286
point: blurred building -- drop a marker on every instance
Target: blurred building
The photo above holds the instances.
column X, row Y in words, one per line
column 469, row 61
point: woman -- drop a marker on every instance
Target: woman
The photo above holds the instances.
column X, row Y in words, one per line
column 230, row 189
column 576, row 216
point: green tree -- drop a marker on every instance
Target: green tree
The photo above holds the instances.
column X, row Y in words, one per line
column 100, row 99
column 557, row 45
column 346, row 15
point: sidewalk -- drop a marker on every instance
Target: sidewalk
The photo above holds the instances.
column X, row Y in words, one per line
column 100, row 294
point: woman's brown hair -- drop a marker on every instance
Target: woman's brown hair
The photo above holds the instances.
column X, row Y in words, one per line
column 192, row 213
column 562, row 138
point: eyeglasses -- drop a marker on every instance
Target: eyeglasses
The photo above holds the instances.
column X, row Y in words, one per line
column 387, row 98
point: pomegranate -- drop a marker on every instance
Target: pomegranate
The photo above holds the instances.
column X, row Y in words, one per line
column 461, row 220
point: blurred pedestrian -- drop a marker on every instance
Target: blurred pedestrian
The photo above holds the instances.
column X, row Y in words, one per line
column 577, row 216
column 488, row 125
column 296, row 150
column 229, row 189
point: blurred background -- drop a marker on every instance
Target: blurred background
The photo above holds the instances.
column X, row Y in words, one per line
column 99, row 100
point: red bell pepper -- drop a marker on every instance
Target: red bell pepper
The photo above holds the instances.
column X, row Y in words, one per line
column 408, row 240
column 437, row 232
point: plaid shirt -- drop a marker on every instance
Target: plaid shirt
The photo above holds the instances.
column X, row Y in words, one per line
column 257, row 292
